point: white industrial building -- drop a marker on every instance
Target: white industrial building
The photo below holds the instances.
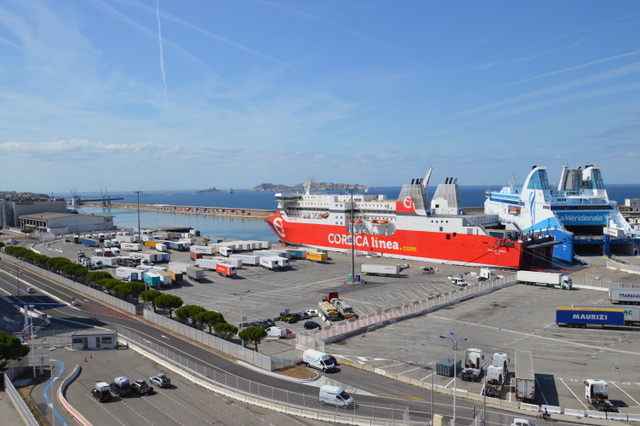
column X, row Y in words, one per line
column 65, row 223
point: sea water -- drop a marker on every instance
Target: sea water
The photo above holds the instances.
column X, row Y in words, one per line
column 256, row 229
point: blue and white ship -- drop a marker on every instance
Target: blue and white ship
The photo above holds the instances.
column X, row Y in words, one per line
column 577, row 213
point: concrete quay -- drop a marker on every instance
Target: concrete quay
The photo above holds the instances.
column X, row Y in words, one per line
column 191, row 210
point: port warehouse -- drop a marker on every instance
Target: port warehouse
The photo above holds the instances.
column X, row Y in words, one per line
column 50, row 217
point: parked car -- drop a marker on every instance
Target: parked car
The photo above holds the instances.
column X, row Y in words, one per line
column 303, row 315
column 310, row 325
column 312, row 313
column 161, row 380
column 263, row 323
column 121, row 386
column 141, row 387
column 289, row 317
column 101, row 391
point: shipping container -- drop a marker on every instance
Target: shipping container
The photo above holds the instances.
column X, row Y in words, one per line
column 581, row 317
column 202, row 249
column 296, row 254
column 631, row 313
column 225, row 269
column 195, row 273
column 195, row 256
column 448, row 367
column 525, row 376
column 247, row 259
column 130, row 246
column 176, row 277
column 90, row 242
column 179, row 266
column 129, row 274
column 316, row 256
column 629, row 296
column 152, row 279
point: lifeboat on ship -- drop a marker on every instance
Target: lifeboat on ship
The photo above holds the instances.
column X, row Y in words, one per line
column 323, row 215
column 356, row 221
column 379, row 222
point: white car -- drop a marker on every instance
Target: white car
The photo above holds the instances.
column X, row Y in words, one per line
column 31, row 290
column 312, row 312
column 522, row 422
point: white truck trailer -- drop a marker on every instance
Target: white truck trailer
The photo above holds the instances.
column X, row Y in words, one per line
column 247, row 259
column 525, row 377
column 386, row 270
column 547, row 279
column 627, row 296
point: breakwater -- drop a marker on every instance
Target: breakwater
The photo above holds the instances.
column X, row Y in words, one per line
column 191, row 210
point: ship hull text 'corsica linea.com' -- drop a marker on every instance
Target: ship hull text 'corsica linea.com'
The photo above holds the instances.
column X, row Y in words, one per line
column 405, row 228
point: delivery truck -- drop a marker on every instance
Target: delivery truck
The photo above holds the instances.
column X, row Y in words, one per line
column 384, row 270
column 525, row 377
column 627, row 296
column 546, row 279
column 582, row 317
column 226, row 270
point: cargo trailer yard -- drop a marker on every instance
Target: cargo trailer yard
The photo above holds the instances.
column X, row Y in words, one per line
column 516, row 317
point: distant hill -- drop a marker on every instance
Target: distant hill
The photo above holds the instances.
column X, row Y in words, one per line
column 315, row 186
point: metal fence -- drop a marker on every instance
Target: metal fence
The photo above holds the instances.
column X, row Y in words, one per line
column 231, row 348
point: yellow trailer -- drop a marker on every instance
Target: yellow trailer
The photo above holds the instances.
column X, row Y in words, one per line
column 317, row 256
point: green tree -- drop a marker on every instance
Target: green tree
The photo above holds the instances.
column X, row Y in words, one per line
column 168, row 301
column 109, row 284
column 129, row 289
column 94, row 276
column 149, row 296
column 209, row 318
column 27, row 231
column 252, row 334
column 11, row 348
column 189, row 312
column 225, row 330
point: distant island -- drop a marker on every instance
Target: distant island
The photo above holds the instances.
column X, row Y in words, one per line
column 315, row 186
column 214, row 189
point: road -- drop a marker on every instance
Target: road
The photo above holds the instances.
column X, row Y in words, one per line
column 376, row 390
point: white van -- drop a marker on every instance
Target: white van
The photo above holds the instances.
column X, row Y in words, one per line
column 275, row 331
column 317, row 359
column 335, row 395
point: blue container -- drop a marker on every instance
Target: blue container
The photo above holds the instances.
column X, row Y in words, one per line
column 357, row 278
column 590, row 316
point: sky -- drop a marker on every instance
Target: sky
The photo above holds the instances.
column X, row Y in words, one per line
column 153, row 94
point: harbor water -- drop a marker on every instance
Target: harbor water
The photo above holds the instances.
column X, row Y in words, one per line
column 253, row 228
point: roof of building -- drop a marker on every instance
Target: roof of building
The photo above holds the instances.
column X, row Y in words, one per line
column 54, row 215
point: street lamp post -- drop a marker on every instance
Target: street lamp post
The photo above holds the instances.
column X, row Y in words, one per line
column 241, row 299
column 139, row 230
column 454, row 341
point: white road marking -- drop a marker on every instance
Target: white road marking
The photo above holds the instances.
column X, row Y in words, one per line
column 623, row 391
column 574, row 395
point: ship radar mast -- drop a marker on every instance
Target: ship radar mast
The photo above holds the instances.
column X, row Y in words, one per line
column 308, row 185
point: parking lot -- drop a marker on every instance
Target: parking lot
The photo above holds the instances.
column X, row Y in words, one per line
column 518, row 317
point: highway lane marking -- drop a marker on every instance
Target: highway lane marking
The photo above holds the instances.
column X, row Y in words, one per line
column 400, row 397
column 623, row 391
column 574, row 395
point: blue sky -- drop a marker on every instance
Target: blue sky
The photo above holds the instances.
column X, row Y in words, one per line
column 146, row 94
